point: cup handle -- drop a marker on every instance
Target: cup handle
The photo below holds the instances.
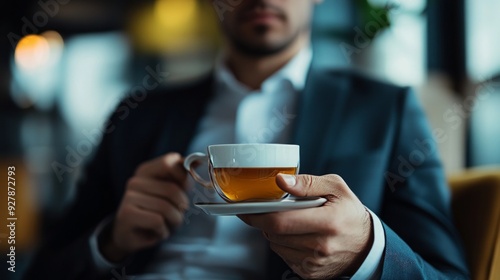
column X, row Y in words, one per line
column 188, row 162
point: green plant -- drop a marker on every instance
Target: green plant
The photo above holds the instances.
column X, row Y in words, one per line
column 368, row 13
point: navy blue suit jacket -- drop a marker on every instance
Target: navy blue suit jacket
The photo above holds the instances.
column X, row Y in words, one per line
column 372, row 134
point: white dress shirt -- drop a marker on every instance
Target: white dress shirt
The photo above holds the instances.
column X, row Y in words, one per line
column 223, row 247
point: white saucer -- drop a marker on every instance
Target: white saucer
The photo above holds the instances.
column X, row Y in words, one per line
column 227, row 209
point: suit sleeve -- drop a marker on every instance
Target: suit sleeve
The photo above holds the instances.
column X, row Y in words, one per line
column 421, row 240
column 65, row 252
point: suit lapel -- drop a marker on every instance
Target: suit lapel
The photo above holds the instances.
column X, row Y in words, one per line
column 319, row 114
column 185, row 110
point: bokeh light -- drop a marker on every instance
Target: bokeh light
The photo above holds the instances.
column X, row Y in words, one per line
column 39, row 51
column 32, row 52
column 36, row 71
column 175, row 13
column 170, row 26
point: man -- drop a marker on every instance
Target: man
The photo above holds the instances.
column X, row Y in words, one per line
column 387, row 212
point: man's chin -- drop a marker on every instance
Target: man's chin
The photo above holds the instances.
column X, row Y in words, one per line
column 260, row 49
column 260, row 44
column 260, row 40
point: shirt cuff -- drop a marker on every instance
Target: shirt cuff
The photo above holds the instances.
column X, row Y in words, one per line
column 99, row 260
column 371, row 267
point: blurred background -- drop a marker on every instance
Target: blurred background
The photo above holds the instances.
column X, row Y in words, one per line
column 65, row 64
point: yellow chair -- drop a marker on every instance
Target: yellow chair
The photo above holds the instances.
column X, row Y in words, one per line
column 476, row 209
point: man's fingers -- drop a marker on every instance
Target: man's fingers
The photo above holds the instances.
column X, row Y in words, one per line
column 303, row 221
column 169, row 166
column 172, row 216
column 168, row 191
column 308, row 185
column 148, row 221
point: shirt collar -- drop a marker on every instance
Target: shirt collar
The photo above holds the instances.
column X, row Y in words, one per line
column 295, row 71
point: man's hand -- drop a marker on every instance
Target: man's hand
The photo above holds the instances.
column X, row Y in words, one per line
column 153, row 205
column 323, row 242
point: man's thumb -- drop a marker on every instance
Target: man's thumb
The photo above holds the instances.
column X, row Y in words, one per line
column 309, row 185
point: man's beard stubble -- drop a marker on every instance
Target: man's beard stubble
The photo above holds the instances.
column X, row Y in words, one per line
column 253, row 49
column 256, row 50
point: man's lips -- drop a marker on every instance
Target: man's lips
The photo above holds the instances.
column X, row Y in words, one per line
column 261, row 16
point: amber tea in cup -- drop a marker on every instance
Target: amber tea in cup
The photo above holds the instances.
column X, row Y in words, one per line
column 246, row 172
